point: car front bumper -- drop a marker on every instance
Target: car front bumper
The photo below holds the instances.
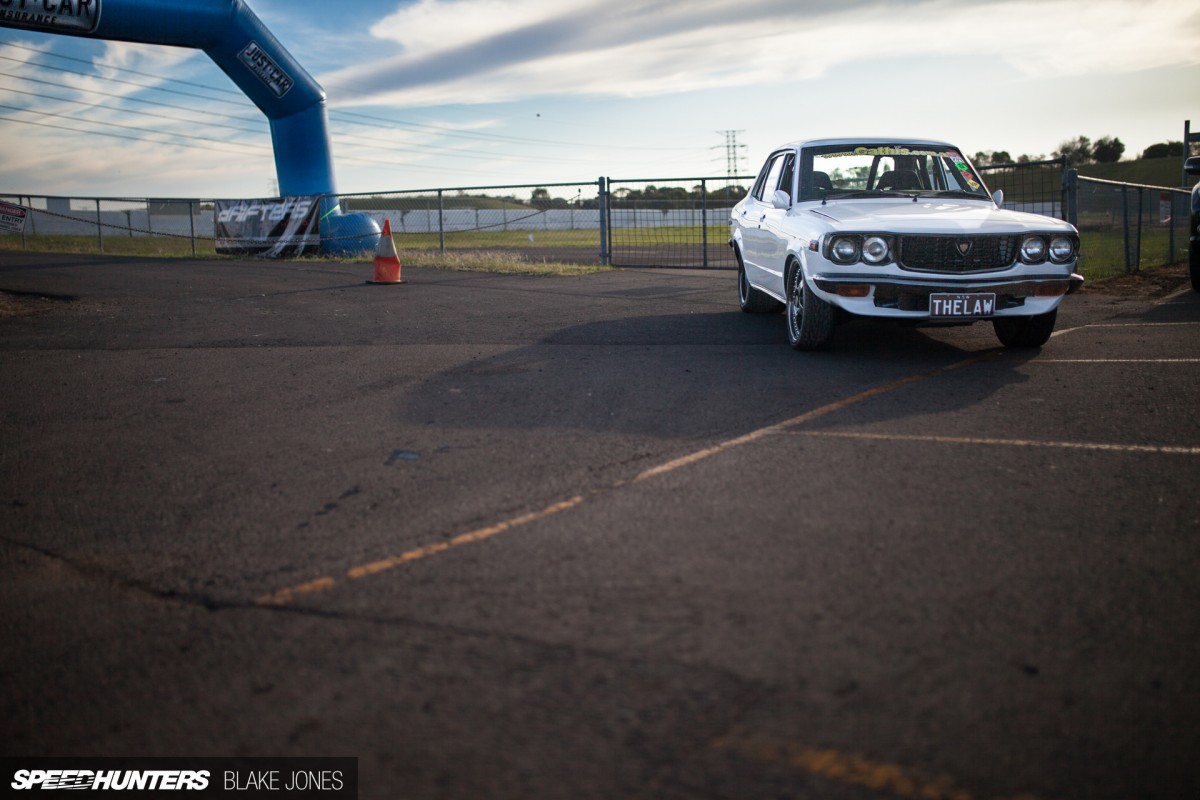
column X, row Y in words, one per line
column 908, row 297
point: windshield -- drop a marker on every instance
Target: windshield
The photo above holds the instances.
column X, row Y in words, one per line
column 882, row 169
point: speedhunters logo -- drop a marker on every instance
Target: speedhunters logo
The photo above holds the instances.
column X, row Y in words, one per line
column 240, row 778
column 117, row 780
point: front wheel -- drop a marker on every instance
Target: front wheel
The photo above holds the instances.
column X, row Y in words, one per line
column 809, row 318
column 1194, row 264
column 1025, row 331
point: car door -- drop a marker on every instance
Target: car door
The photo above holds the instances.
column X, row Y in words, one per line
column 773, row 237
column 755, row 243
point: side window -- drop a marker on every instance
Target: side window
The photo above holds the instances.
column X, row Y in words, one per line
column 789, row 171
column 768, row 182
column 762, row 178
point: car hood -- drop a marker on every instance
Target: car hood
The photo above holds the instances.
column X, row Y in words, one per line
column 930, row 216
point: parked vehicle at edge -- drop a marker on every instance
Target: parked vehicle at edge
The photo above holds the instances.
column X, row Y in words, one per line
column 1192, row 167
column 900, row 229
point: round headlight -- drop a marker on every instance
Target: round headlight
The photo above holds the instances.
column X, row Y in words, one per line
column 875, row 250
column 1062, row 249
column 844, row 250
column 1033, row 250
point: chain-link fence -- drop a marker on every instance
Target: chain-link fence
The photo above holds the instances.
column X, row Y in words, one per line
column 1036, row 187
column 1124, row 226
column 558, row 222
column 120, row 226
column 627, row 222
column 672, row 223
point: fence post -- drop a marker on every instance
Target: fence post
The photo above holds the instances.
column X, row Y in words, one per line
column 192, row 224
column 1125, row 225
column 704, row 222
column 441, row 225
column 1137, row 261
column 1064, row 180
column 99, row 227
column 1071, row 208
column 601, row 205
column 1171, row 230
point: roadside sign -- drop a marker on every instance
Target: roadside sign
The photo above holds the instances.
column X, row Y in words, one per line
column 12, row 218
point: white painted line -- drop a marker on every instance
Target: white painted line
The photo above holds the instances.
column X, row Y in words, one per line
column 1139, row 324
column 1121, row 325
column 1117, row 448
column 808, row 416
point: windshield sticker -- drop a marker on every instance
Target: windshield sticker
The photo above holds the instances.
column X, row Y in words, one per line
column 967, row 176
column 888, row 150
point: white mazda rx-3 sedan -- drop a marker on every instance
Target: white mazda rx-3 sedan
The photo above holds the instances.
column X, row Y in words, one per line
column 902, row 229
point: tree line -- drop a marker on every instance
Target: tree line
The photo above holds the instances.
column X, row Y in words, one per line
column 1078, row 151
column 1082, row 150
column 657, row 197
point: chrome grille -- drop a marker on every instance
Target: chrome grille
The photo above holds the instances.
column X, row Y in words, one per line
column 956, row 253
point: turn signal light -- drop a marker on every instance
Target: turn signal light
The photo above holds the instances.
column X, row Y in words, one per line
column 853, row 290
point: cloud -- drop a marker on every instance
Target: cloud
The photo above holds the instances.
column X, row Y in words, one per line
column 90, row 133
column 475, row 51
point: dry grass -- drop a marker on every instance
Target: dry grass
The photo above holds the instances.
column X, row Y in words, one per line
column 493, row 261
column 1148, row 283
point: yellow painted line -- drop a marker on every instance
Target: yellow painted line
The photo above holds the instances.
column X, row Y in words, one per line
column 846, row 768
column 479, row 535
column 781, row 427
column 897, row 437
column 286, row 596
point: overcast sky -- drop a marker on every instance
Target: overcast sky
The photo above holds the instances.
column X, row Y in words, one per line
column 453, row 93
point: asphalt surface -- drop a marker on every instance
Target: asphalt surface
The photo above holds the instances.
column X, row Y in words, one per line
column 594, row 537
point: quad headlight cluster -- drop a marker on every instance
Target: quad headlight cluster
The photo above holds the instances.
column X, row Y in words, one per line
column 1055, row 249
column 876, row 249
column 849, row 249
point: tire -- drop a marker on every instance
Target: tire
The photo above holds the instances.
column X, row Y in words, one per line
column 1025, row 331
column 751, row 300
column 1194, row 264
column 809, row 318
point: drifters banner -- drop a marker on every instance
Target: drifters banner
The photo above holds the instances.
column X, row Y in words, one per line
column 283, row 227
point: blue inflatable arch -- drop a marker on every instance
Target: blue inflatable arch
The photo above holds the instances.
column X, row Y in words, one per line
column 233, row 37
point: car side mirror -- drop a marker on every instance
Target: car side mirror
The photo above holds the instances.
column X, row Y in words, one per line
column 781, row 199
column 1192, row 166
column 998, row 198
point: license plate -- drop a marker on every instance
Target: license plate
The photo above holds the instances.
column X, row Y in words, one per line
column 981, row 304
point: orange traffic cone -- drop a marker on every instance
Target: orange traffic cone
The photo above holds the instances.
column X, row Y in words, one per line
column 387, row 263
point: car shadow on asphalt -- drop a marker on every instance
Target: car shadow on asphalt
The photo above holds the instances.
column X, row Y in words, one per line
column 691, row 376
